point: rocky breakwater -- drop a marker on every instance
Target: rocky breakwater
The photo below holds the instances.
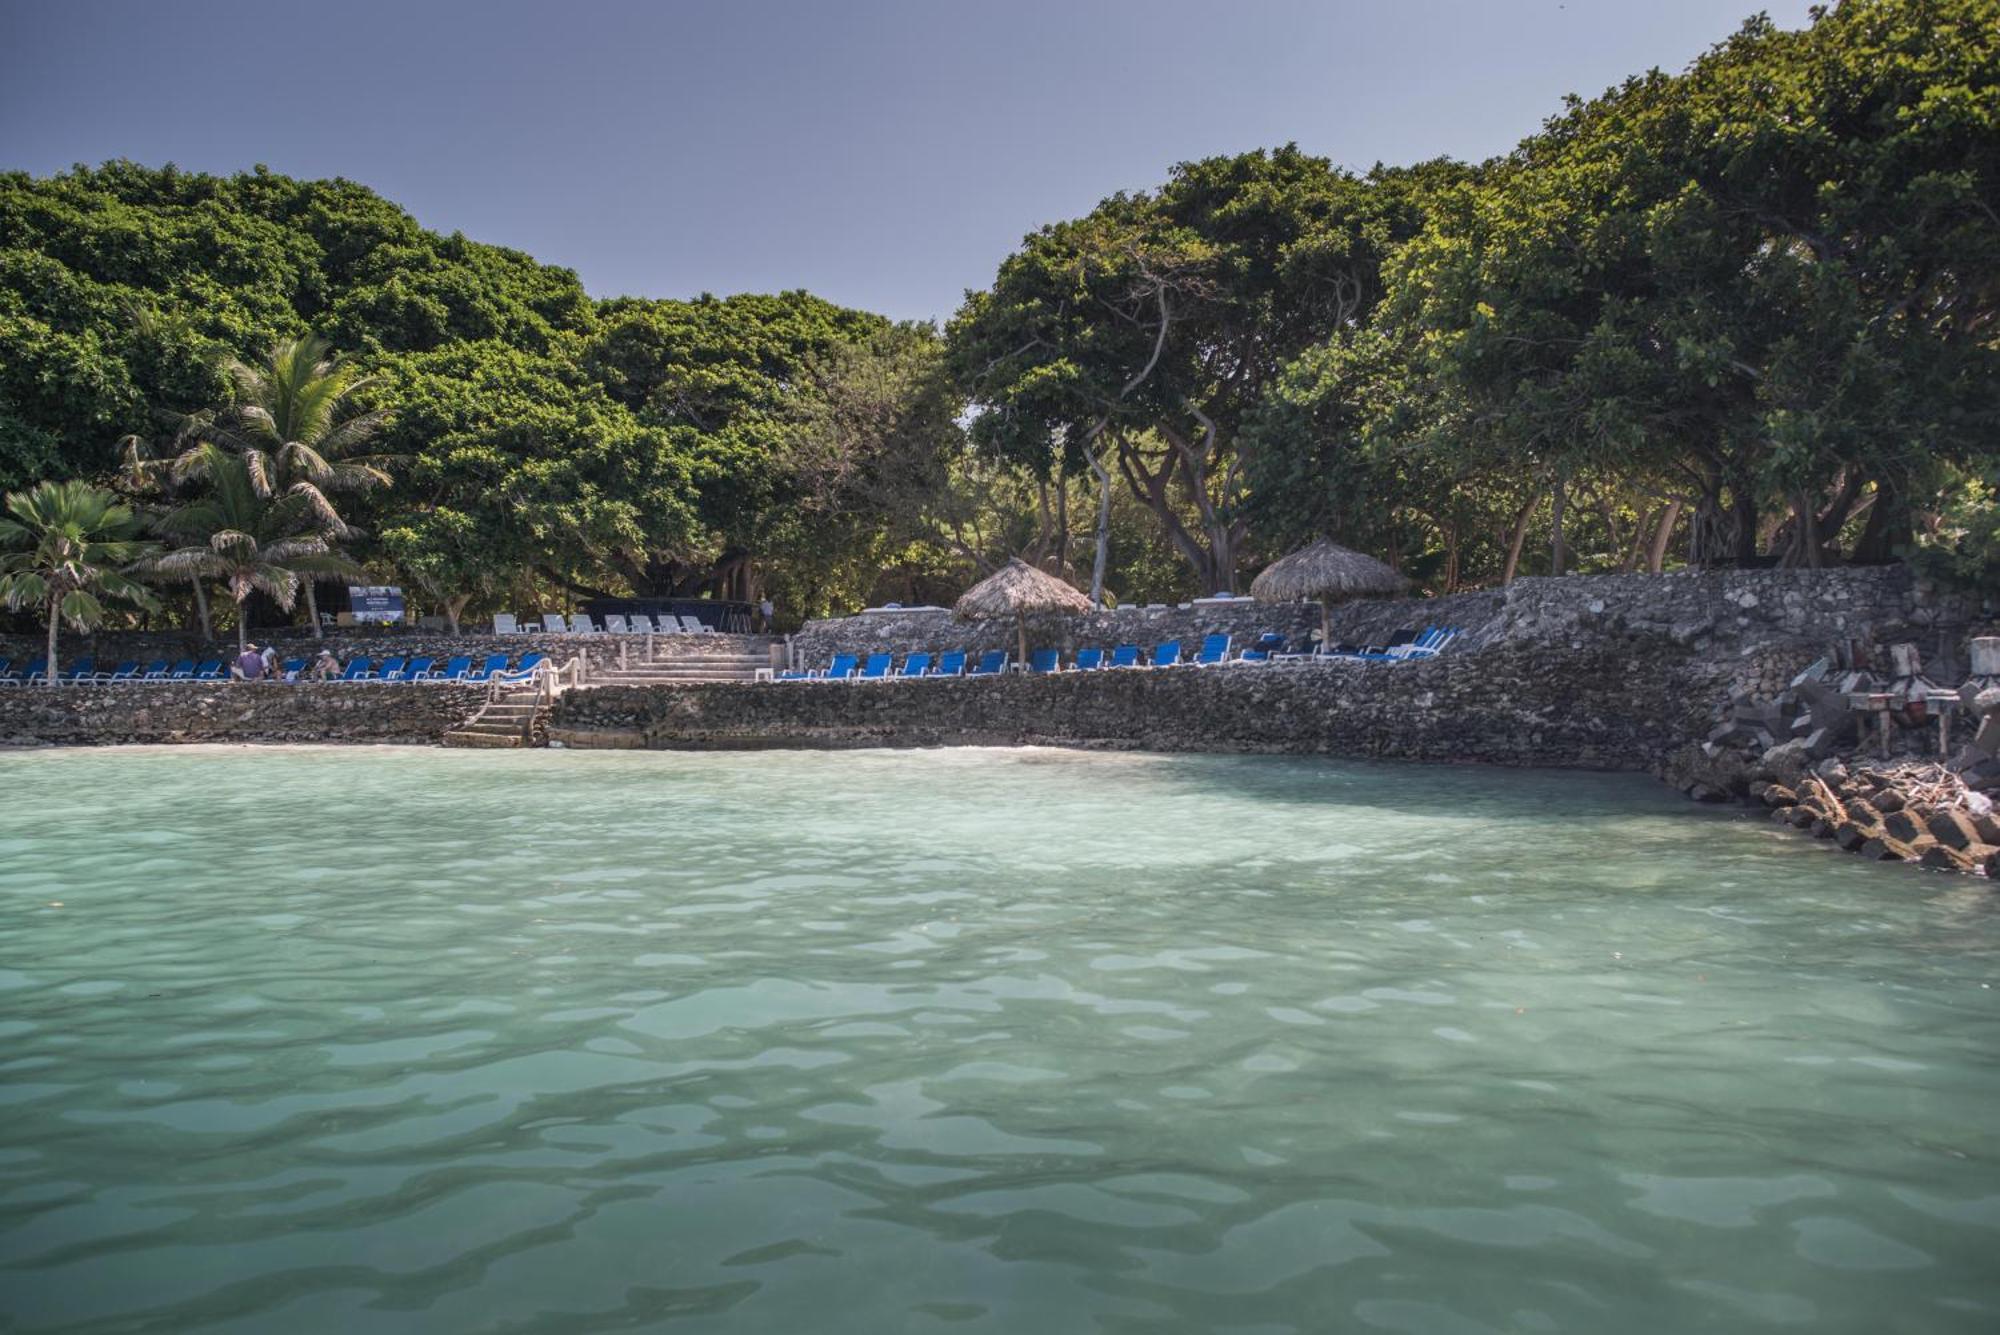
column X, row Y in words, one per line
column 1908, row 811
column 175, row 712
column 1865, row 759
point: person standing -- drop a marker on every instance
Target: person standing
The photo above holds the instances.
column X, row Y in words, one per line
column 767, row 612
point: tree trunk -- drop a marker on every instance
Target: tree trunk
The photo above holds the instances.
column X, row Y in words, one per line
column 1518, row 539
column 1560, row 500
column 1656, row 560
column 201, row 610
column 1103, row 554
column 242, row 628
column 1888, row 527
column 1743, row 506
column 453, row 606
column 1637, row 551
column 312, row 610
column 50, row 673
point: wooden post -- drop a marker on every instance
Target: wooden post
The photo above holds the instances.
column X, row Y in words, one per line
column 1882, row 717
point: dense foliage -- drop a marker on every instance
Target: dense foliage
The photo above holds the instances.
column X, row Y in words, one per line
column 1741, row 314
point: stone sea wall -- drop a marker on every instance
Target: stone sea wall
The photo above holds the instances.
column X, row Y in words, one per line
column 1617, row 703
column 160, row 712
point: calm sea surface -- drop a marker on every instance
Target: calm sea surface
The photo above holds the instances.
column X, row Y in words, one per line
column 388, row 1040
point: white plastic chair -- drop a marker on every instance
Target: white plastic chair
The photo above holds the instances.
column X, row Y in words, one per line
column 552, row 622
column 581, row 624
column 614, row 624
column 504, row 624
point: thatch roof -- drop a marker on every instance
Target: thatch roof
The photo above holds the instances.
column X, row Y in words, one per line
column 1018, row 589
column 1325, row 571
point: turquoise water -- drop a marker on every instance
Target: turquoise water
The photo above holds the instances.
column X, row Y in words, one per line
column 396, row 1040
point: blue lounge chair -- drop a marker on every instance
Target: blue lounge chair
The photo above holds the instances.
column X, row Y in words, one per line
column 418, row 670
column 1430, row 648
column 155, row 670
column 455, row 669
column 290, row 669
column 1214, row 649
column 182, row 670
column 494, row 663
column 209, row 671
column 877, row 667
column 1407, row 635
column 1045, row 660
column 842, row 668
column 951, row 663
column 916, row 665
column 125, row 671
column 1168, row 654
column 1125, row 656
column 391, row 670
column 84, row 669
column 358, row 669
column 1396, row 653
column 7, row 670
column 36, row 671
column 991, row 663
column 1269, row 645
column 1087, row 660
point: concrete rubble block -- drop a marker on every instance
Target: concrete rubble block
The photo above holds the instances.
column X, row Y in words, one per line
column 1944, row 858
column 1788, row 762
column 1887, row 849
column 1952, row 828
column 1986, row 656
column 1903, row 825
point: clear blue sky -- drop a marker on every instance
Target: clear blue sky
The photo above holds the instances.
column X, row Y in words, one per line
column 882, row 153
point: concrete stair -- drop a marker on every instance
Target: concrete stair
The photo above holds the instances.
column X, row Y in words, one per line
column 513, row 720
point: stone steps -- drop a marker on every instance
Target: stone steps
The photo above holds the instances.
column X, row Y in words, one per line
column 510, row 721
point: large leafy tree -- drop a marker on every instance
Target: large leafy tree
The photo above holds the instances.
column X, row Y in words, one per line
column 1768, row 285
column 1143, row 336
column 123, row 287
column 64, row 546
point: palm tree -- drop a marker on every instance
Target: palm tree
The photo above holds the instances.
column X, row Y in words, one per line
column 61, row 545
column 250, row 542
column 298, row 426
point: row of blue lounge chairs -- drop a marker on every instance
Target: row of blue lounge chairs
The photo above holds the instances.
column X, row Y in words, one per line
column 1271, row 647
column 84, row 671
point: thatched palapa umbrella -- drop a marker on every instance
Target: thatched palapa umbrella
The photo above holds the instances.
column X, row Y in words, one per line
column 1019, row 590
column 1328, row 572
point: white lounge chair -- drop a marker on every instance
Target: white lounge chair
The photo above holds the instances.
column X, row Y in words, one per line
column 694, row 626
column 614, row 624
column 581, row 624
column 552, row 622
column 504, row 624
column 640, row 624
